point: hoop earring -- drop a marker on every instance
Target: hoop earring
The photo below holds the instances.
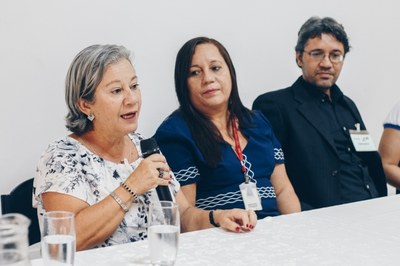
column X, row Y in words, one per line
column 91, row 117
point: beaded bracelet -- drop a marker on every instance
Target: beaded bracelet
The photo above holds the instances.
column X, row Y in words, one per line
column 119, row 201
column 211, row 218
column 127, row 188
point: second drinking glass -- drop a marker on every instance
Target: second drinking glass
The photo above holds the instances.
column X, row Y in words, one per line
column 58, row 238
column 163, row 232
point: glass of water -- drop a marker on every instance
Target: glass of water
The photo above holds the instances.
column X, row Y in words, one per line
column 163, row 232
column 58, row 238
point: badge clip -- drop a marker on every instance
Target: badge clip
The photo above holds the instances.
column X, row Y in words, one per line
column 357, row 126
column 246, row 178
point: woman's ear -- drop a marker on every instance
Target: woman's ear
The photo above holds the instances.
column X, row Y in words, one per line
column 84, row 106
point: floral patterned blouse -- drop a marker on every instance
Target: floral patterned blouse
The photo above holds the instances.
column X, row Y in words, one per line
column 68, row 167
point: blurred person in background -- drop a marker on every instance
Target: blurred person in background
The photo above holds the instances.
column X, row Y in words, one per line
column 389, row 147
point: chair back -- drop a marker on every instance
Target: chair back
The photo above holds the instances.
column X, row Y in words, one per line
column 20, row 201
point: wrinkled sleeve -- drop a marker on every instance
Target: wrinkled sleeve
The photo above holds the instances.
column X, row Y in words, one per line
column 64, row 171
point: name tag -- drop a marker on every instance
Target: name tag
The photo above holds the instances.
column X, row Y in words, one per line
column 362, row 140
column 250, row 196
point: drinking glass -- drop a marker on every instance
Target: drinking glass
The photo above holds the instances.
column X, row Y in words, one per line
column 163, row 232
column 14, row 240
column 58, row 238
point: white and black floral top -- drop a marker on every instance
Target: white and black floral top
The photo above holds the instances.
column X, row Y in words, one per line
column 68, row 167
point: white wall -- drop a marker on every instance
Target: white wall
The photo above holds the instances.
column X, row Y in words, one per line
column 38, row 40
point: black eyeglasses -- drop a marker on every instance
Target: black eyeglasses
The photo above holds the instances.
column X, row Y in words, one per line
column 319, row 55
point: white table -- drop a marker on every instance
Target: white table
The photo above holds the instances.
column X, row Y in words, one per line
column 362, row 233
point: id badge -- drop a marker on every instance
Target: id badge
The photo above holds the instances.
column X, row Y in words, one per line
column 250, row 196
column 362, row 140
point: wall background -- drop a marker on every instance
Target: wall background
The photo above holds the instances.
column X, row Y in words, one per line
column 40, row 38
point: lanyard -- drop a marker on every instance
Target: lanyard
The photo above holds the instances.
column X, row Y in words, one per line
column 238, row 149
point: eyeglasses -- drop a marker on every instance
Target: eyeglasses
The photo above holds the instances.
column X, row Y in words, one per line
column 318, row 55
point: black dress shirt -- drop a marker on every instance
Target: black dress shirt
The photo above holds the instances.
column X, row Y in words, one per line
column 354, row 179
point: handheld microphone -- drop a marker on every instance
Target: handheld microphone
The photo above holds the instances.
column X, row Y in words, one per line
column 149, row 147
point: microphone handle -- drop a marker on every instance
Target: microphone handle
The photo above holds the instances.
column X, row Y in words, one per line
column 163, row 192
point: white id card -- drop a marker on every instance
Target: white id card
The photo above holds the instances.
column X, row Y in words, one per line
column 362, row 140
column 250, row 196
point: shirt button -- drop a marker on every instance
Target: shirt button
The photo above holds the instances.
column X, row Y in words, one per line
column 344, row 128
column 367, row 186
column 348, row 149
column 334, row 172
column 323, row 100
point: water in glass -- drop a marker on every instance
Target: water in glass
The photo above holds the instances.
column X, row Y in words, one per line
column 60, row 248
column 163, row 232
column 163, row 241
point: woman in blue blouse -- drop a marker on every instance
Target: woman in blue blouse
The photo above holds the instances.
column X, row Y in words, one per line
column 224, row 155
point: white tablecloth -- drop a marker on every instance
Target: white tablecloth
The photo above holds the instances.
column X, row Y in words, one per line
column 362, row 233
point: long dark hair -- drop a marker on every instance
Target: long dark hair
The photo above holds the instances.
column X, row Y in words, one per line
column 204, row 132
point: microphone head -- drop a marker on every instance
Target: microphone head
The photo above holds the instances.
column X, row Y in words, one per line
column 149, row 147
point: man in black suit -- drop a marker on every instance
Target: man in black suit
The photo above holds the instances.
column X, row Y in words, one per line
column 313, row 120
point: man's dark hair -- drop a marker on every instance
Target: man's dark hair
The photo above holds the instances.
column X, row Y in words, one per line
column 316, row 26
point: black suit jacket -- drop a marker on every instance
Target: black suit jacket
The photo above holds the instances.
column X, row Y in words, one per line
column 311, row 159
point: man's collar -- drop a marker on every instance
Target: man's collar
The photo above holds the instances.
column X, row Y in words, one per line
column 318, row 93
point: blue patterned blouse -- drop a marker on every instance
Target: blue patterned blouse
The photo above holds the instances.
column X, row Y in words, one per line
column 218, row 188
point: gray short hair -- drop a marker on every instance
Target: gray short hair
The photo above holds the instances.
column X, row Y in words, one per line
column 84, row 75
